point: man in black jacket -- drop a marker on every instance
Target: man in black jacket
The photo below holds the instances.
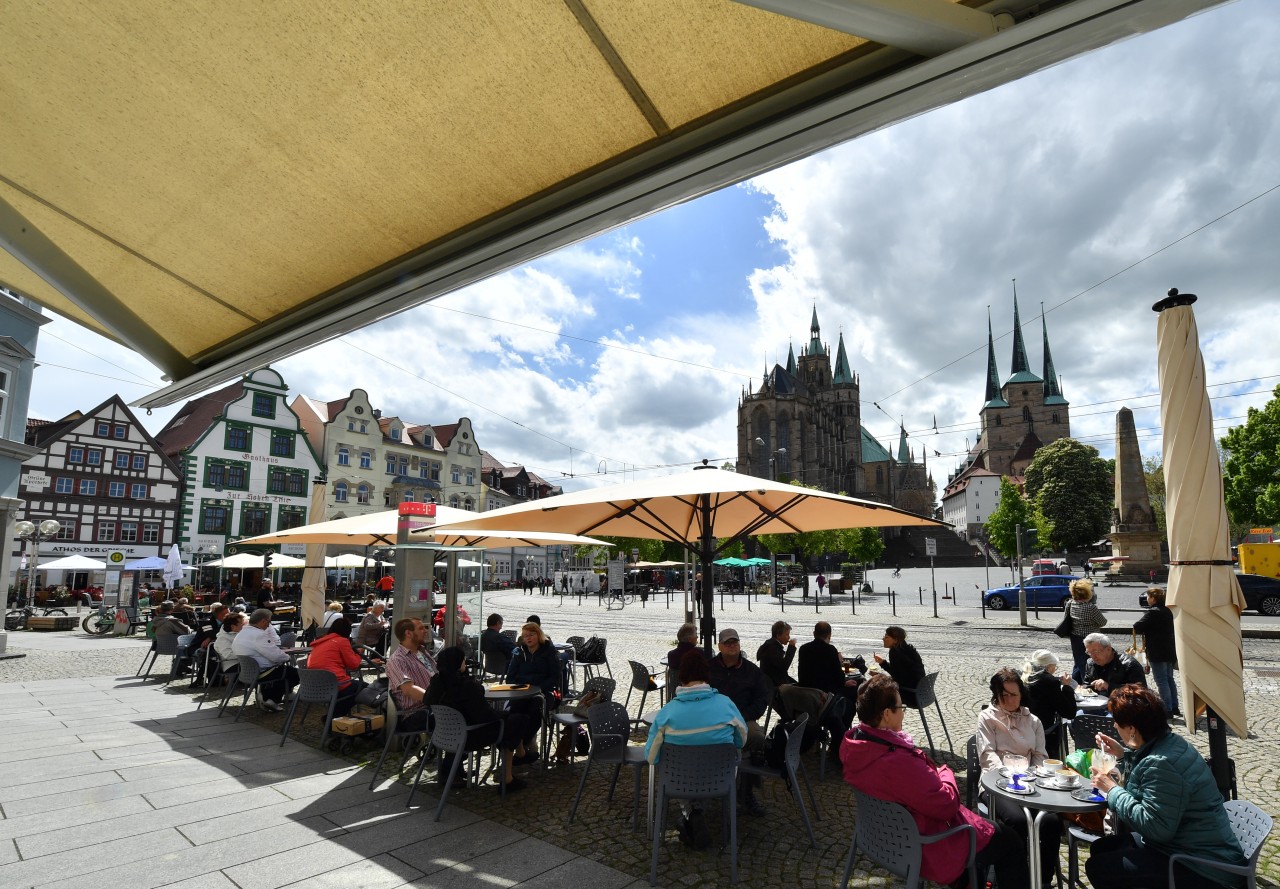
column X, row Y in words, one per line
column 821, row 667
column 745, row 684
column 1108, row 669
column 775, row 657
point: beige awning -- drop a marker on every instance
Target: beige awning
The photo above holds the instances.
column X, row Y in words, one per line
column 221, row 185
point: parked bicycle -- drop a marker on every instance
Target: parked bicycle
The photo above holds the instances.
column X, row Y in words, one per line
column 18, row 617
column 619, row 598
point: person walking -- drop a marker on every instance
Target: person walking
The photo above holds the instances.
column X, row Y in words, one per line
column 1156, row 625
column 821, row 581
column 1085, row 619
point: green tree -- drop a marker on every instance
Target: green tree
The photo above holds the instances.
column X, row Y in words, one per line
column 1251, row 474
column 1072, row 488
column 1001, row 525
column 1153, row 470
column 862, row 544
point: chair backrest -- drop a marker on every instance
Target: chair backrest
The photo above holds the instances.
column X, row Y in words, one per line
column 972, row 773
column 316, row 686
column 698, row 772
column 449, row 732
column 510, row 634
column 924, row 691
column 887, row 834
column 609, row 726
column 495, row 662
column 166, row 645
column 640, row 679
column 576, row 642
column 795, row 739
column 1250, row 825
column 601, row 685
column 249, row 670
column 1084, row 729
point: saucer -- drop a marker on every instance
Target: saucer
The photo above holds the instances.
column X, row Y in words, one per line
column 1050, row 784
column 1027, row 788
column 1085, row 795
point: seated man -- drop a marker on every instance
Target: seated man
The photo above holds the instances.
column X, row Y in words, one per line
column 821, row 667
column 409, row 672
column 496, row 647
column 168, row 624
column 775, row 657
column 1108, row 669
column 745, row 684
column 373, row 627
column 259, row 641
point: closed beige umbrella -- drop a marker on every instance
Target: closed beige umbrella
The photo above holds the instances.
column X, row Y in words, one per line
column 313, row 576
column 1203, row 592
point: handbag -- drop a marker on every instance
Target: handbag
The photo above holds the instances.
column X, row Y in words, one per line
column 1138, row 651
column 1063, row 628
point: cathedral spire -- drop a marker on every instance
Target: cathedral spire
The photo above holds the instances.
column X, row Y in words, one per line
column 1052, row 389
column 904, row 450
column 992, row 398
column 842, row 373
column 815, row 337
column 791, row 360
column 1021, row 367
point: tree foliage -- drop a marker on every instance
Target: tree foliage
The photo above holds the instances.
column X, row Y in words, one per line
column 1001, row 525
column 1070, row 485
column 863, row 544
column 1153, row 471
column 1251, row 474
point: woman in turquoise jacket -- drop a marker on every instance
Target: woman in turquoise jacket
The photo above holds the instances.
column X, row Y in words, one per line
column 698, row 715
column 1169, row 797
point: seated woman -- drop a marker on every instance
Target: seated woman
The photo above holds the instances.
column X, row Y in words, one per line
column 231, row 624
column 1169, row 797
column 333, row 652
column 882, row 761
column 454, row 687
column 1049, row 697
column 534, row 662
column 1008, row 727
column 904, row 663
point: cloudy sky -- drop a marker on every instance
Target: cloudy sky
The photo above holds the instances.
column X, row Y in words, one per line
column 1097, row 185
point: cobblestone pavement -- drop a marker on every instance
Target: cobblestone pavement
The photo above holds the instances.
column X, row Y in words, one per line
column 962, row 646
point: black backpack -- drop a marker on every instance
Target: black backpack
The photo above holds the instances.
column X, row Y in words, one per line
column 592, row 651
column 374, row 695
column 776, row 753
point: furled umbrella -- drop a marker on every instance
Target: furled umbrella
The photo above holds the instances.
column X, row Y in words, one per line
column 173, row 570
column 706, row 509
column 1203, row 594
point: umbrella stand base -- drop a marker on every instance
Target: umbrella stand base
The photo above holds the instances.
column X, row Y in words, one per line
column 1222, row 765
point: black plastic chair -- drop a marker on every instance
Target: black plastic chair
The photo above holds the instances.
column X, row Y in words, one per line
column 887, row 834
column 449, row 732
column 925, row 696
column 1086, row 726
column 569, row 721
column 166, row 645
column 392, row 729
column 609, row 727
column 314, row 687
column 698, row 773
column 644, row 681
column 791, row 771
column 247, row 678
column 216, row 672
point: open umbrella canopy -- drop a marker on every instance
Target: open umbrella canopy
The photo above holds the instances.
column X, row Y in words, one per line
column 240, row 560
column 1203, row 594
column 733, row 562
column 74, row 563
column 351, row 560
column 150, row 563
column 695, row 509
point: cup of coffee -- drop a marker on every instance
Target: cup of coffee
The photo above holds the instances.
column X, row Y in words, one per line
column 1051, row 766
column 1066, row 778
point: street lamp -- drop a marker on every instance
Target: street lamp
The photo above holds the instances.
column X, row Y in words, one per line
column 35, row 534
column 773, row 473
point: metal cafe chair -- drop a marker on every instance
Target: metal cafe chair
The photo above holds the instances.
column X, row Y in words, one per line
column 887, row 834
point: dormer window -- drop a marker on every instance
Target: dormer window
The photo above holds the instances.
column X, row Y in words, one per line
column 395, row 433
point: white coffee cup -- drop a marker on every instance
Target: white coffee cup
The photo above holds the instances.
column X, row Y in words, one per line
column 1066, row 778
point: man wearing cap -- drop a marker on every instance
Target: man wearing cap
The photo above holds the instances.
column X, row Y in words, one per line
column 745, row 684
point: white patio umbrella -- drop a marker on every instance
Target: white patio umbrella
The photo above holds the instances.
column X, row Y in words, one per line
column 314, row 581
column 694, row 509
column 239, row 560
column 74, row 563
column 173, row 568
column 352, row 560
column 1203, row 594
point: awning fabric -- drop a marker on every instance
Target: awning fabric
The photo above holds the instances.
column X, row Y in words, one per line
column 220, row 185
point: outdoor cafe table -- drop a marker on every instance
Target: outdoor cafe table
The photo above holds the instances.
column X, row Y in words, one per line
column 1044, row 800
column 502, row 692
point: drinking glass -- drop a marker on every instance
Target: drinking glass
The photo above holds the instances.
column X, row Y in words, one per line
column 1017, row 766
column 1105, row 763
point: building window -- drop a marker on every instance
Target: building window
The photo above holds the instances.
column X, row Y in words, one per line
column 340, row 492
column 139, row 461
column 122, row 461
column 1054, row 418
column 1026, row 414
column 106, row 532
column 364, row 426
column 253, row 519
column 395, row 433
column 5, row 375
column 75, row 455
column 362, row 494
column 138, row 492
column 292, row 517
column 128, row 532
column 468, row 505
column 456, row 475
column 471, row 476
column 282, row 444
column 344, row 456
column 102, row 429
column 424, row 470
column 366, row 459
column 435, row 472
column 997, row 419
column 93, row 456
column 454, row 501
column 63, row 486
column 238, row 438
column 213, row 520
column 284, row 481
column 121, row 432
column 150, row 532
column 67, row 531
column 264, row 405
column 218, row 474
column 88, row 487
column 407, row 496
column 392, row 463
column 115, row 489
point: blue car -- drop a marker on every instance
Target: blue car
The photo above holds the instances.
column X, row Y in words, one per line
column 1045, row 591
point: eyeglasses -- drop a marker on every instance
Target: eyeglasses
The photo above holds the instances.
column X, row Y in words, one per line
column 897, row 708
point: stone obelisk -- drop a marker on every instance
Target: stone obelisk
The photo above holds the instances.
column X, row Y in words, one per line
column 1134, row 533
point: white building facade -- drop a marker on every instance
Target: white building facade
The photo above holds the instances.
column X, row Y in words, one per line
column 969, row 500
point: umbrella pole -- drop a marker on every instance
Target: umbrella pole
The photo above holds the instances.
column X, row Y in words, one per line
column 708, row 577
column 1219, row 762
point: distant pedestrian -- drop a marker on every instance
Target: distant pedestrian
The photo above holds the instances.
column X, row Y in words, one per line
column 822, row 583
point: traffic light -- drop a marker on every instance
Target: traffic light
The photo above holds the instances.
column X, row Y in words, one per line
column 266, row 561
column 1030, row 540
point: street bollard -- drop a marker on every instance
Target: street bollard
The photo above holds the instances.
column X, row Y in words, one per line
column 893, row 602
column 935, row 603
column 920, row 591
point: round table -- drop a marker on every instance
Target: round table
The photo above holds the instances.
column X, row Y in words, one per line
column 503, row 692
column 1034, row 807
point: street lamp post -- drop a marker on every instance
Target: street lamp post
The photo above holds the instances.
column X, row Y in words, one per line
column 35, row 535
column 773, row 473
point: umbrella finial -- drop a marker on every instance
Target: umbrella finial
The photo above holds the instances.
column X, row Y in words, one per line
column 1174, row 299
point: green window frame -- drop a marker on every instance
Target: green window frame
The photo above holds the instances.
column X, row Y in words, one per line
column 282, row 443
column 239, row 438
column 255, row 518
column 264, row 405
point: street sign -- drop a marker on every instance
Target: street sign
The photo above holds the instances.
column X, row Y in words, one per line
column 930, row 546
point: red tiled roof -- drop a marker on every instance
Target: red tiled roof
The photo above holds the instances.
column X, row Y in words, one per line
column 445, row 434
column 196, row 416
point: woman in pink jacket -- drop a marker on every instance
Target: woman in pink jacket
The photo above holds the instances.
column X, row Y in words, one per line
column 883, row 761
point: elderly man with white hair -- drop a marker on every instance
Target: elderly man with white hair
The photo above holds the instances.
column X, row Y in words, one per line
column 1049, row 697
column 1108, row 669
